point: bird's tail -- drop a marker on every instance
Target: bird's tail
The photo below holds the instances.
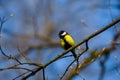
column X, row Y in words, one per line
column 73, row 52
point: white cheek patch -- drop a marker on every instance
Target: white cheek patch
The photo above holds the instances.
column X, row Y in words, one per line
column 64, row 33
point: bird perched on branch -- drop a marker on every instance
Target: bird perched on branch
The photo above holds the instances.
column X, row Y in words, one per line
column 67, row 41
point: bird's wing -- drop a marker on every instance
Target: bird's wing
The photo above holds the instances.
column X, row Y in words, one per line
column 69, row 40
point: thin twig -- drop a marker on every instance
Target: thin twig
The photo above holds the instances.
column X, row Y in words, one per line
column 1, row 69
column 86, row 44
column 9, row 57
column 67, row 69
column 73, row 47
column 43, row 74
column 20, row 75
column 66, row 56
column 31, row 74
column 2, row 21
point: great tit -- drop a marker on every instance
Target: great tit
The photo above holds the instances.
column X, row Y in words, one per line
column 67, row 41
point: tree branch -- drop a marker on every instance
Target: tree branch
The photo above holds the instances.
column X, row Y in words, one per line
column 66, row 51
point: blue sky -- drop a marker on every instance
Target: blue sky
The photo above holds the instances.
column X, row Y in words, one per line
column 64, row 15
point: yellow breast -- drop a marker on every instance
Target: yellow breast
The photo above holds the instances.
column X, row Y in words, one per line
column 62, row 43
column 69, row 40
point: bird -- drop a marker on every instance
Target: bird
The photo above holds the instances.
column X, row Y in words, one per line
column 67, row 41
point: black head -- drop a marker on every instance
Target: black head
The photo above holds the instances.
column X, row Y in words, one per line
column 62, row 33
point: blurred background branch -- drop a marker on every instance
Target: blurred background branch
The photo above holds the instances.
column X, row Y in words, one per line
column 30, row 38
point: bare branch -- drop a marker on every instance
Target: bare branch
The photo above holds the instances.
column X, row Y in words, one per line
column 65, row 52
